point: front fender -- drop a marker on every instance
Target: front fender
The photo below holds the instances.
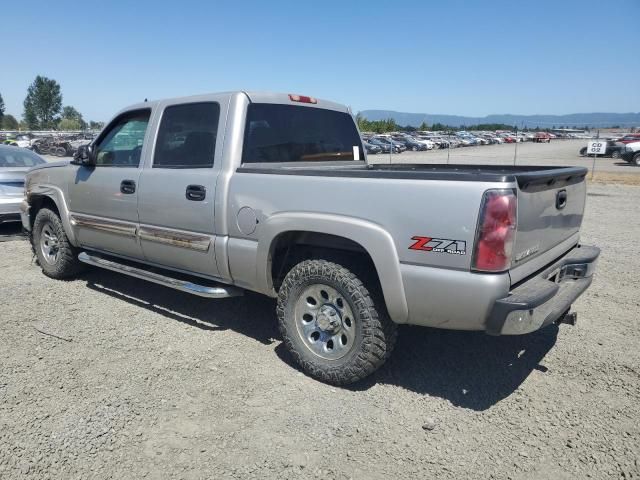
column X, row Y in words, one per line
column 56, row 195
column 372, row 237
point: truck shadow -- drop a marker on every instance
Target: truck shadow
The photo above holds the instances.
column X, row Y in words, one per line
column 11, row 231
column 251, row 315
column 469, row 369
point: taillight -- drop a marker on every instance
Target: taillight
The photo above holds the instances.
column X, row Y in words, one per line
column 496, row 231
column 302, row 98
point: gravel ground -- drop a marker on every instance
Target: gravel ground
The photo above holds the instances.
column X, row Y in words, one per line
column 109, row 377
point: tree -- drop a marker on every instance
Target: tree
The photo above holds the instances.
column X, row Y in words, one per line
column 423, row 126
column 1, row 109
column 69, row 124
column 42, row 104
column 9, row 122
column 96, row 125
column 70, row 113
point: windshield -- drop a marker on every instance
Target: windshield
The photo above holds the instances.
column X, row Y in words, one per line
column 290, row 133
column 18, row 158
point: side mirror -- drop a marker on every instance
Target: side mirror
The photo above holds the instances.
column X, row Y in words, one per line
column 85, row 156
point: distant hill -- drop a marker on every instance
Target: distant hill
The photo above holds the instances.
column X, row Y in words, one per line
column 591, row 120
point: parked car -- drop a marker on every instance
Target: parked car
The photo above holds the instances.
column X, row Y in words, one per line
column 541, row 137
column 371, row 148
column 630, row 138
column 426, row 140
column 21, row 140
column 614, row 149
column 14, row 164
column 631, row 153
column 412, row 144
column 397, row 146
column 270, row 193
column 385, row 146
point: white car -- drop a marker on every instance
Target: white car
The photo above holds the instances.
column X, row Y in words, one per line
column 430, row 145
column 631, row 153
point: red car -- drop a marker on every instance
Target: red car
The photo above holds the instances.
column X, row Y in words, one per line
column 630, row 138
column 542, row 137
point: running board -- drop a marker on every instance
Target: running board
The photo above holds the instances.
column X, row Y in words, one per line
column 182, row 285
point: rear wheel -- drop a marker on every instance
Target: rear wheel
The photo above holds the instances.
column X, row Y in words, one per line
column 56, row 256
column 615, row 154
column 330, row 323
column 583, row 151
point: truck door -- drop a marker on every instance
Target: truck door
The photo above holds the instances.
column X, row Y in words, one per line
column 177, row 189
column 103, row 198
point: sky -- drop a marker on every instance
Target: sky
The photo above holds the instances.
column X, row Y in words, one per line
column 447, row 57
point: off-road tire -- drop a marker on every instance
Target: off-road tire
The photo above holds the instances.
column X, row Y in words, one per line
column 375, row 334
column 67, row 264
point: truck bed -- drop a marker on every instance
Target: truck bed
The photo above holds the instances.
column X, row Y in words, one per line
column 527, row 176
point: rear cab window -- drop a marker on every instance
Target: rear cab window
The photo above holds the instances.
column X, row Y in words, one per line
column 276, row 133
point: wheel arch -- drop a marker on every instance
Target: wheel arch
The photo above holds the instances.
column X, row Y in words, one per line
column 49, row 196
column 338, row 233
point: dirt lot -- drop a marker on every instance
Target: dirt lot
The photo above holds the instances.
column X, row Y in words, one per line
column 144, row 382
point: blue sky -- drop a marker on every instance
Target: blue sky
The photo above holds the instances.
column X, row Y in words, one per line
column 453, row 57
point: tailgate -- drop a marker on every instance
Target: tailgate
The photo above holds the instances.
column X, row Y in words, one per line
column 550, row 209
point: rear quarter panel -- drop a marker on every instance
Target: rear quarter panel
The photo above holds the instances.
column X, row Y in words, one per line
column 446, row 210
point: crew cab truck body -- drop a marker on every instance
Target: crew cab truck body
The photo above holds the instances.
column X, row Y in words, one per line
column 222, row 193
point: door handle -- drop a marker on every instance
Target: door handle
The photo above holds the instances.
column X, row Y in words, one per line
column 196, row 193
column 561, row 199
column 127, row 186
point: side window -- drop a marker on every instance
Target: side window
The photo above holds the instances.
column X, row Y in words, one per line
column 187, row 136
column 121, row 145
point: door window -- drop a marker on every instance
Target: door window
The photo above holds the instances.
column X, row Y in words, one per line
column 187, row 136
column 121, row 144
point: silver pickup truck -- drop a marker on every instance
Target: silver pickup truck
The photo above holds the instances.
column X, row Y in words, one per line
column 218, row 194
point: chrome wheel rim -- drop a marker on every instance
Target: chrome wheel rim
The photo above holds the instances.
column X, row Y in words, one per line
column 325, row 322
column 49, row 243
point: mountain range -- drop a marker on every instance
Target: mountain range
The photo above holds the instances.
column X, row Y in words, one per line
column 591, row 120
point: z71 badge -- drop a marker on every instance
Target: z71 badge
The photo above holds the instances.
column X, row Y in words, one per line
column 439, row 245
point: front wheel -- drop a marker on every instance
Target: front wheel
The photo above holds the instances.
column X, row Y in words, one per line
column 331, row 324
column 636, row 160
column 56, row 256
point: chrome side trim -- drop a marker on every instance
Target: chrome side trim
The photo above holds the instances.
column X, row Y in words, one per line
column 177, row 238
column 182, row 285
column 111, row 226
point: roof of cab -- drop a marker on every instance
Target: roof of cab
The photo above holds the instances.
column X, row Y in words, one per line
column 254, row 97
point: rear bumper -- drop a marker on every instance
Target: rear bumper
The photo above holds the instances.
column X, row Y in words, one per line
column 546, row 297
